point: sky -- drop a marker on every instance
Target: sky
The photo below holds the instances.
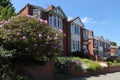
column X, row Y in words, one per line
column 100, row 16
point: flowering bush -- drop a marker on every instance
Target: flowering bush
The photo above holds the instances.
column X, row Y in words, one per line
column 30, row 36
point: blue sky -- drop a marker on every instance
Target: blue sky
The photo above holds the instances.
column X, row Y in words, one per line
column 101, row 16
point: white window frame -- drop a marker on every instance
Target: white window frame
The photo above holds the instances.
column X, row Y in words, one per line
column 37, row 13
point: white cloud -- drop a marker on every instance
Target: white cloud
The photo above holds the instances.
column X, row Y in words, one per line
column 89, row 20
column 86, row 19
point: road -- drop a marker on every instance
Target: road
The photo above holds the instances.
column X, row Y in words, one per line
column 108, row 76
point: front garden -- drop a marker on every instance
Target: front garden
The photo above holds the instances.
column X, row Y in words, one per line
column 63, row 64
column 26, row 41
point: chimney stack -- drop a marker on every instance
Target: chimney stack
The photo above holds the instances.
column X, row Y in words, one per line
column 51, row 7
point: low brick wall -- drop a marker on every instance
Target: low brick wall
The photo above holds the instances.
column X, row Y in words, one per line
column 114, row 68
column 45, row 72
column 74, row 72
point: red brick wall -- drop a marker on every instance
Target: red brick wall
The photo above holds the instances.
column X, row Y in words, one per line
column 82, row 38
column 24, row 11
column 45, row 72
column 90, row 46
column 69, row 37
column 114, row 68
column 75, row 72
column 112, row 51
column 65, row 40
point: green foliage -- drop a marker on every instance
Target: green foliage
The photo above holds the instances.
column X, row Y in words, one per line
column 62, row 65
column 6, row 70
column 114, row 43
column 6, row 73
column 29, row 36
column 63, row 60
column 114, row 63
column 4, row 53
column 118, row 59
column 6, row 9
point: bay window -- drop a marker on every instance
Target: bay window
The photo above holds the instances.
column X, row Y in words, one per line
column 56, row 21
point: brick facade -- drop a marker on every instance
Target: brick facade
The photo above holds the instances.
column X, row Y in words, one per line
column 87, row 38
column 28, row 10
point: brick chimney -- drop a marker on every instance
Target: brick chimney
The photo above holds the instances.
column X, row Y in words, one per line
column 50, row 7
column 90, row 32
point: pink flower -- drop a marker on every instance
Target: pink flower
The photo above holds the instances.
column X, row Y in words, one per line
column 56, row 35
column 40, row 35
column 48, row 37
column 23, row 37
column 61, row 30
column 5, row 22
column 45, row 21
column 17, row 33
column 55, row 38
column 41, row 20
column 28, row 15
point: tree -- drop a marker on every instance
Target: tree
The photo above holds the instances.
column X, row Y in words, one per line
column 114, row 43
column 6, row 9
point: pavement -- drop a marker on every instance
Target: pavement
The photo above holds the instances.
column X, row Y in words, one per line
column 107, row 76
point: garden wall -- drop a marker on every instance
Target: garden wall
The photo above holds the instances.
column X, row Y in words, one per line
column 75, row 72
column 45, row 72
column 114, row 68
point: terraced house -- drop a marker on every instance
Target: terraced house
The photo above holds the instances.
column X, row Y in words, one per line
column 77, row 37
column 55, row 17
column 98, row 46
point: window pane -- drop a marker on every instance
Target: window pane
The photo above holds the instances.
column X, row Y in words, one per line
column 36, row 13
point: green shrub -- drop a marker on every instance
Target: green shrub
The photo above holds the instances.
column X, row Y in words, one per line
column 118, row 60
column 6, row 70
column 30, row 36
column 88, row 64
column 62, row 65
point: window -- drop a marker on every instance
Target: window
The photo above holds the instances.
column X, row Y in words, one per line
column 75, row 29
column 36, row 13
column 85, row 34
column 55, row 21
column 100, row 44
column 72, row 28
column 73, row 44
column 78, row 45
column 95, row 43
column 50, row 20
column 60, row 23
